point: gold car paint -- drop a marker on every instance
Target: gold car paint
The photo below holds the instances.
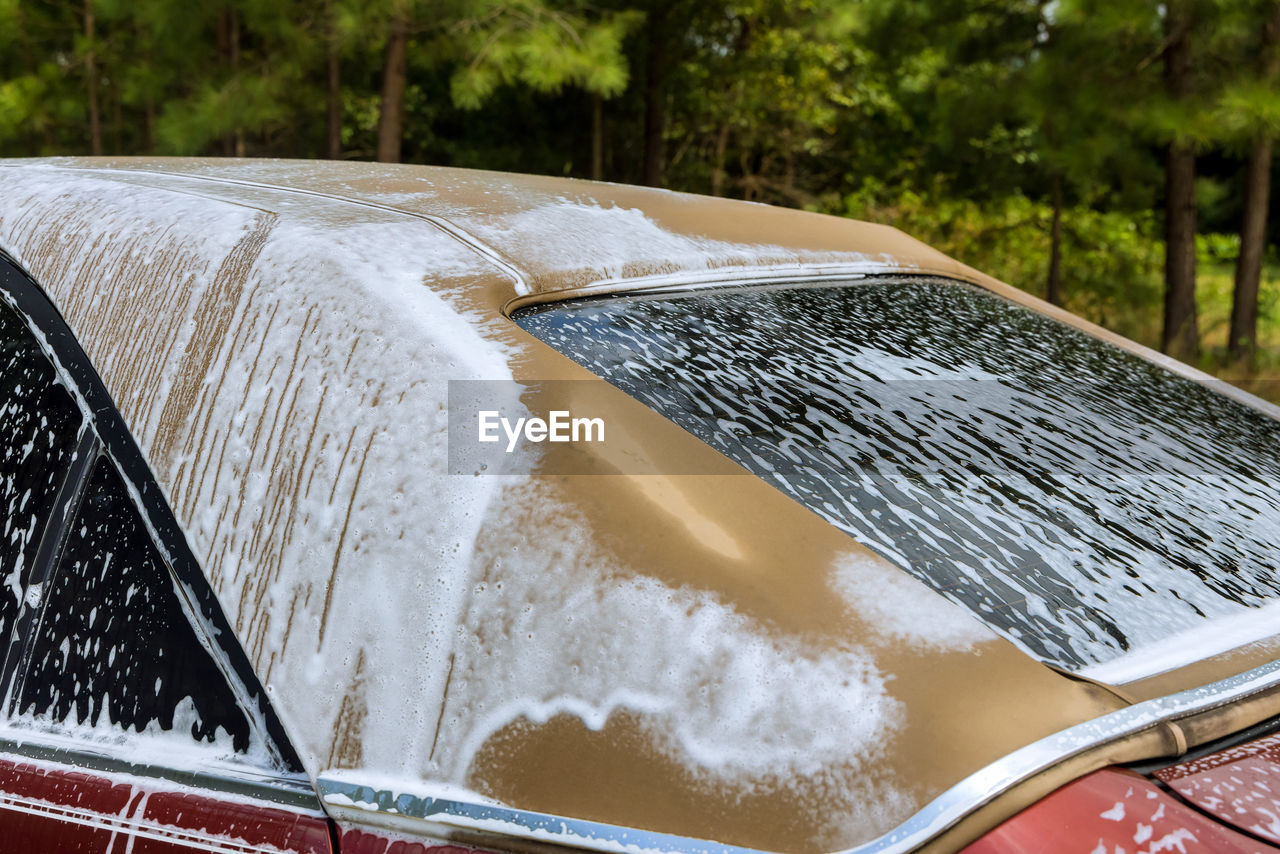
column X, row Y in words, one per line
column 721, row 531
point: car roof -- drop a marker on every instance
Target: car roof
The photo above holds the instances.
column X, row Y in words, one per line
column 557, row 234
column 281, row 339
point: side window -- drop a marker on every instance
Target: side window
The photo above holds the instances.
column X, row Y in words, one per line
column 109, row 630
column 113, row 646
column 39, row 424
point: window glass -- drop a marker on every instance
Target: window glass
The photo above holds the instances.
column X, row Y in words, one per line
column 39, row 422
column 1078, row 498
column 114, row 646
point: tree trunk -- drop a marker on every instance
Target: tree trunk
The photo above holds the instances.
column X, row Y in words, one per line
column 391, row 114
column 789, row 170
column 722, row 145
column 655, row 113
column 149, row 124
column 238, row 135
column 1253, row 243
column 1180, row 337
column 91, row 78
column 597, row 138
column 334, row 134
column 229, row 50
column 117, row 120
column 1053, row 291
column 1243, row 341
column 720, row 175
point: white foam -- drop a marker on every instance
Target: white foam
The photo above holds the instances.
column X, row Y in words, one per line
column 555, row 626
column 315, row 446
column 611, row 242
column 1241, row 627
column 149, row 746
column 901, row 608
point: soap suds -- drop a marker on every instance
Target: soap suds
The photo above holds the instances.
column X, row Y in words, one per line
column 902, row 608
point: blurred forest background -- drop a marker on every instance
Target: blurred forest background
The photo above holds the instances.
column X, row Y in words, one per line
column 1114, row 156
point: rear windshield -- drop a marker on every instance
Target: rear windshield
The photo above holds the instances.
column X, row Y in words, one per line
column 1077, row 498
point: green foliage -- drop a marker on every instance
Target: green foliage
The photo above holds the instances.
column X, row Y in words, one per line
column 1245, row 110
column 1217, row 248
column 526, row 42
column 1215, row 285
column 963, row 121
column 1111, row 261
column 765, row 87
column 22, row 100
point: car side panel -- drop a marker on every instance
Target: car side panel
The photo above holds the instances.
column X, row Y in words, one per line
column 1240, row 786
column 53, row 808
column 1111, row 811
column 71, row 811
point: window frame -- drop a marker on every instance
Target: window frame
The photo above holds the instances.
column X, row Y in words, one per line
column 105, row 434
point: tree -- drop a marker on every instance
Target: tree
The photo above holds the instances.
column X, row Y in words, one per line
column 1180, row 336
column 759, row 93
column 1026, row 134
column 391, row 107
column 1083, row 144
column 655, row 110
column 494, row 43
column 1259, row 107
column 539, row 45
column 1013, row 99
column 333, row 83
column 91, row 80
column 1168, row 109
column 44, row 105
column 243, row 76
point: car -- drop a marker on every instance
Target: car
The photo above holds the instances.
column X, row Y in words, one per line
column 376, row 508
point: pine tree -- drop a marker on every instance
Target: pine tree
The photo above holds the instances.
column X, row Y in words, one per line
column 1256, row 105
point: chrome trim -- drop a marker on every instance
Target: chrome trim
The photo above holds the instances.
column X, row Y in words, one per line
column 341, row 797
column 280, row 788
column 980, row 788
column 756, row 274
column 941, row 814
column 728, row 277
